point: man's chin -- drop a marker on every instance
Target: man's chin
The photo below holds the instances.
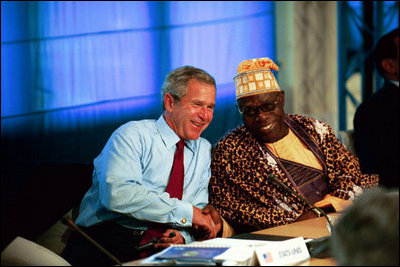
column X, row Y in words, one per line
column 264, row 137
column 194, row 135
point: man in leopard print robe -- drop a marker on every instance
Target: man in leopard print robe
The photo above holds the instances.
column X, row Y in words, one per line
column 300, row 151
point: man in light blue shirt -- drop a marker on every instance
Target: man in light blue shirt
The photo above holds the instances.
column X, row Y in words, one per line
column 132, row 172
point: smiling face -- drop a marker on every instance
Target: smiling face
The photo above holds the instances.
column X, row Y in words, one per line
column 191, row 115
column 263, row 116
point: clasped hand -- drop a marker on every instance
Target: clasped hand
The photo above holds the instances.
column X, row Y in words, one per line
column 206, row 223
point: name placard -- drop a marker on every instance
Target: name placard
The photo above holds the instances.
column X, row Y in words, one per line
column 286, row 252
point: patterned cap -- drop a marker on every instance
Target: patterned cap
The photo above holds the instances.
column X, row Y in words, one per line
column 255, row 77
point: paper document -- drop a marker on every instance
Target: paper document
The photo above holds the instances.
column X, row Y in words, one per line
column 192, row 253
column 233, row 252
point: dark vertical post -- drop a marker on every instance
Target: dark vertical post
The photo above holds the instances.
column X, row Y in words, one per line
column 368, row 44
column 342, row 63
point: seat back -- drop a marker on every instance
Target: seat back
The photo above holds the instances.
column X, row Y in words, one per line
column 23, row 252
column 347, row 139
column 51, row 191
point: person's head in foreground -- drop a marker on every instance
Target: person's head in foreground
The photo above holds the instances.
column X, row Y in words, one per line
column 367, row 233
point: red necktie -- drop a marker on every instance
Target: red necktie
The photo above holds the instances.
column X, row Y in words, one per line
column 174, row 188
column 175, row 184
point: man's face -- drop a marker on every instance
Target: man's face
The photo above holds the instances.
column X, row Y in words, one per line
column 263, row 116
column 190, row 116
column 391, row 65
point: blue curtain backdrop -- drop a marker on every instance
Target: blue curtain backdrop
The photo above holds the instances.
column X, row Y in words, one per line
column 74, row 71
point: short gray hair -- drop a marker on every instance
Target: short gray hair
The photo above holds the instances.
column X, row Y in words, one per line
column 177, row 80
column 367, row 232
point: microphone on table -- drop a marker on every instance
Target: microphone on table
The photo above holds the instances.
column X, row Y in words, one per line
column 70, row 223
column 319, row 247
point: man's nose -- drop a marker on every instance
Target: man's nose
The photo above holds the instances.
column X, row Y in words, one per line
column 261, row 115
column 205, row 113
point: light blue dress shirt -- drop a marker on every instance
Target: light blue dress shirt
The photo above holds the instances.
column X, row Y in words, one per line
column 131, row 174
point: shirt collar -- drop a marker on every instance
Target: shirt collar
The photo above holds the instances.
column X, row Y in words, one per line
column 394, row 82
column 169, row 137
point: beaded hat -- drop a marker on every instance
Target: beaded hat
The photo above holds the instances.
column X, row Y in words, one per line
column 255, row 77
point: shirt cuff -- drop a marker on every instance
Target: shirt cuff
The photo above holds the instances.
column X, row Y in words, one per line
column 183, row 216
column 187, row 237
column 331, row 201
column 227, row 229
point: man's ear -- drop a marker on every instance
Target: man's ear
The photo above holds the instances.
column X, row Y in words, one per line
column 283, row 98
column 168, row 102
column 388, row 65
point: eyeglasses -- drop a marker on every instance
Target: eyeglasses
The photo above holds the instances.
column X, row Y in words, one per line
column 253, row 112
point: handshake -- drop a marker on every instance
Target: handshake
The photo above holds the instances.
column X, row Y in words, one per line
column 206, row 223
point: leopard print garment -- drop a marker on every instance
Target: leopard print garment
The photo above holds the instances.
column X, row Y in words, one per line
column 241, row 193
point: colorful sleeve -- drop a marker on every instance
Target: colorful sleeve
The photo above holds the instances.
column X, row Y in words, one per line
column 344, row 174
